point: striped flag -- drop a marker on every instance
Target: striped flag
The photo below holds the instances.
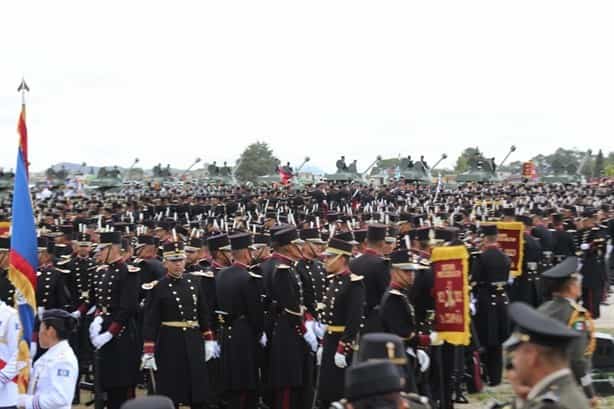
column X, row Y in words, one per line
column 23, row 257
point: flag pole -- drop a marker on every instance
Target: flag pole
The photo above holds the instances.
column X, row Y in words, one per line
column 21, row 126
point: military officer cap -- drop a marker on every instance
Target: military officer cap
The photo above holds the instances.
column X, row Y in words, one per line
column 173, row 251
column 61, row 320
column 566, row 269
column 347, row 236
column 380, row 346
column 43, row 243
column 261, row 240
column 239, row 241
column 524, row 219
column 5, row 243
column 83, row 240
column 61, row 250
column 368, row 379
column 147, row 240
column 194, row 244
column 360, row 235
column 149, row 402
column 402, row 260
column 312, row 235
column 215, row 243
column 534, row 327
column 288, row 235
column 557, row 218
column 376, row 232
column 108, row 238
column 489, row 229
column 446, row 235
column 508, row 211
column 338, row 247
column 422, row 234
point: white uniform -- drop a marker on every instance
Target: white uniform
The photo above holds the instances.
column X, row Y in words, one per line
column 10, row 330
column 53, row 379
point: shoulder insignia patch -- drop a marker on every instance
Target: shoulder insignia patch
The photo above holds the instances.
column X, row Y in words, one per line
column 356, row 277
column 150, row 285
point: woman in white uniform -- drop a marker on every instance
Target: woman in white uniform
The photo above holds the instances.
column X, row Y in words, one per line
column 9, row 347
column 54, row 377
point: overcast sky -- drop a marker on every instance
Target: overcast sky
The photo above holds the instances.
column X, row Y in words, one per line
column 169, row 81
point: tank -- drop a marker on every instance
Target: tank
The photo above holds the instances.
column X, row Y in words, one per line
column 349, row 173
column 56, row 178
column 106, row 179
column 483, row 170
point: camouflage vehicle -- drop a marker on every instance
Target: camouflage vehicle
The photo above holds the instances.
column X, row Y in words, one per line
column 349, row 173
column 106, row 179
column 483, row 170
column 217, row 175
column 6, row 181
column 56, row 178
column 417, row 172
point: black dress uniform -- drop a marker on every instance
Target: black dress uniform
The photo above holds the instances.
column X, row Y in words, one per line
column 176, row 324
column 241, row 320
column 593, row 270
column 343, row 315
column 564, row 245
column 376, row 272
column 527, row 287
column 116, row 290
column 313, row 276
column 490, row 272
column 7, row 289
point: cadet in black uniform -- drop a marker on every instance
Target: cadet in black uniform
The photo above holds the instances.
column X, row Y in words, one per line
column 178, row 340
column 114, row 332
column 376, row 272
column 592, row 251
column 241, row 324
column 563, row 240
column 312, row 271
column 491, row 272
column 343, row 315
column 527, row 287
column 397, row 313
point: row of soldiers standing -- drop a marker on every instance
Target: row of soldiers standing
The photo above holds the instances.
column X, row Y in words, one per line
column 262, row 320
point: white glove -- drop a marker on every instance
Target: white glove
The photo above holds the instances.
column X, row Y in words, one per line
column 33, row 349
column 472, row 307
column 319, row 329
column 91, row 310
column 319, row 356
column 585, row 246
column 95, row 326
column 434, row 337
column 263, row 340
column 310, row 338
column 340, row 360
column 423, row 360
column 148, row 361
column 410, row 351
column 100, row 340
column 510, row 280
column 212, row 350
column 40, row 311
column 76, row 314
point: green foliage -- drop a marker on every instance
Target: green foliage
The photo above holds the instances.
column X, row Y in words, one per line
column 256, row 160
column 599, row 169
column 468, row 159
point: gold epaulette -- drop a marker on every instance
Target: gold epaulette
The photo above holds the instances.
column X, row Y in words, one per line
column 577, row 307
column 200, row 273
column 149, row 285
column 395, row 292
column 355, row 277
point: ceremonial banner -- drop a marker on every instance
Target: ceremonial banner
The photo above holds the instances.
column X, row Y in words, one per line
column 23, row 261
column 450, row 267
column 511, row 242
